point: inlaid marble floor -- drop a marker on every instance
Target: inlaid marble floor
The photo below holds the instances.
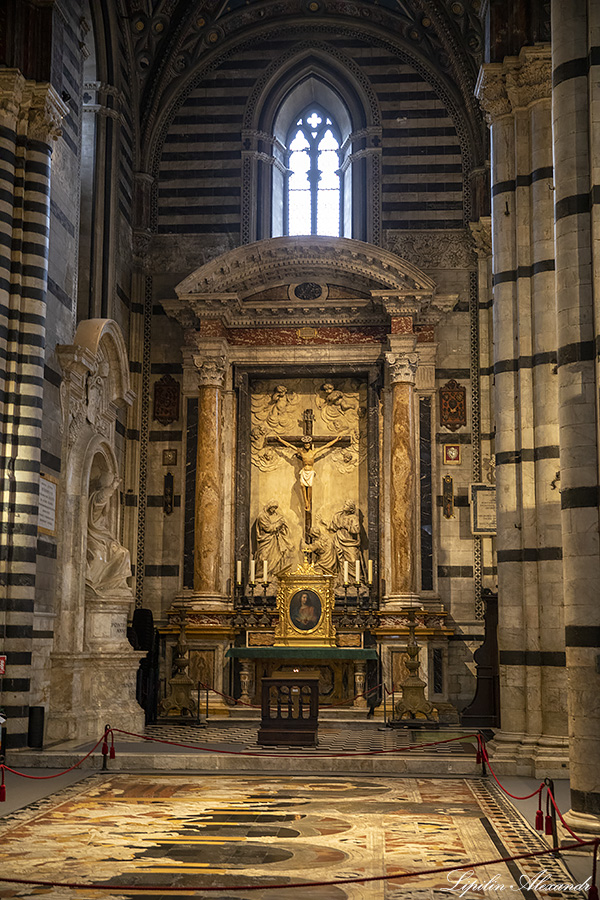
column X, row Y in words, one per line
column 161, row 831
column 337, row 738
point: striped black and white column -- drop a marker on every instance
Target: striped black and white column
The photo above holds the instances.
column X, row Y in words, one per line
column 30, row 120
column 576, row 123
column 516, row 95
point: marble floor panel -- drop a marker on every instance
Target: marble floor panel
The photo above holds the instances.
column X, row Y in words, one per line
column 331, row 737
column 159, row 831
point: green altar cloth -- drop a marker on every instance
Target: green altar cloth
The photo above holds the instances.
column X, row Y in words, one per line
column 300, row 653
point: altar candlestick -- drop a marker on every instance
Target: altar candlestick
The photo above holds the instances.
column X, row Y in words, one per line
column 252, row 571
column 265, row 571
column 357, row 571
column 345, row 571
column 370, row 571
column 238, row 571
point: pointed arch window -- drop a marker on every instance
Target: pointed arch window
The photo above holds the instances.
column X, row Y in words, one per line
column 314, row 189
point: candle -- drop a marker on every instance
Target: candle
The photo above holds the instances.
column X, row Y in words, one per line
column 370, row 571
column 345, row 571
column 357, row 571
column 265, row 571
column 238, row 571
column 252, row 571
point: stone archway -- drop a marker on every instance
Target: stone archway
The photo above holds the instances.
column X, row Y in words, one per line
column 93, row 667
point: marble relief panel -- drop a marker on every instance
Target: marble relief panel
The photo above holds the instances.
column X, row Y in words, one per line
column 336, row 409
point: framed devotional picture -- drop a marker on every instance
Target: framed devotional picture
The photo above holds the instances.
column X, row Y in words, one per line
column 305, row 610
column 305, row 602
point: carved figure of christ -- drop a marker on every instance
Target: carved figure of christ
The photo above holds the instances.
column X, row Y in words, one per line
column 308, row 455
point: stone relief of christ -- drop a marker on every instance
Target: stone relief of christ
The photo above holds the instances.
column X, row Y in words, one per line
column 307, row 455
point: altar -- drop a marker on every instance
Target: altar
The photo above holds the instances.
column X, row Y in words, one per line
column 342, row 670
column 309, row 486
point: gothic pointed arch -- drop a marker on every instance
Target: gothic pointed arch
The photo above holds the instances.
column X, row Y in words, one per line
column 313, row 73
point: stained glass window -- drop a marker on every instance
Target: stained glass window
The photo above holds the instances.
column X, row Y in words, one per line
column 313, row 187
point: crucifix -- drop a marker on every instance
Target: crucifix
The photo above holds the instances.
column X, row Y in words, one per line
column 308, row 456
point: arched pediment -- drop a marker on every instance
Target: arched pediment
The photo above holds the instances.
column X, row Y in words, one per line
column 251, row 268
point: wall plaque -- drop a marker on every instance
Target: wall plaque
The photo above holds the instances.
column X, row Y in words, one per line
column 453, row 405
column 451, row 454
column 47, row 505
column 483, row 508
column 166, row 400
column 448, row 496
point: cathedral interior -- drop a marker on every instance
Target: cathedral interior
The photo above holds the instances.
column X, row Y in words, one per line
column 300, row 380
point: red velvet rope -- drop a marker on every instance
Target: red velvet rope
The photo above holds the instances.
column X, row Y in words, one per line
column 144, row 737
column 558, row 813
column 295, row 884
column 508, row 793
column 55, row 774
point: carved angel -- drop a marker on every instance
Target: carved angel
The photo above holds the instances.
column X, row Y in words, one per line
column 345, row 459
column 277, row 411
column 262, row 456
column 340, row 410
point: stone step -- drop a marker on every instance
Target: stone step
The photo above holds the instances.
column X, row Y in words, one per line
column 270, row 762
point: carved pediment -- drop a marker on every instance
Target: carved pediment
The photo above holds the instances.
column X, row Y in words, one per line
column 297, row 281
column 296, row 260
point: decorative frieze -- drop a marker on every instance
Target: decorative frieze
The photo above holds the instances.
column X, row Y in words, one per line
column 437, row 250
column 96, row 96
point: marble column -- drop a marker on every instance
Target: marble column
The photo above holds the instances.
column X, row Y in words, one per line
column 515, row 96
column 402, row 368
column 576, row 128
column 30, row 117
column 209, row 488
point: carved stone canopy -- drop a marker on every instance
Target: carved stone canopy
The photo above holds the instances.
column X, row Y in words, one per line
column 300, row 281
column 95, row 379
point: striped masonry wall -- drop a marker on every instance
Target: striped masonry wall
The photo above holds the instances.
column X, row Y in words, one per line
column 200, row 173
column 576, row 123
column 516, row 96
column 61, row 320
column 31, row 119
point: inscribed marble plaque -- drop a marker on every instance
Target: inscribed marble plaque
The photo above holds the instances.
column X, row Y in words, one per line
column 483, row 508
column 47, row 505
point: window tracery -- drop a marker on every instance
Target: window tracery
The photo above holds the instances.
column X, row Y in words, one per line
column 314, row 189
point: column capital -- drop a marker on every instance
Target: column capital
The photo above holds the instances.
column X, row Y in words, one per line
column 45, row 113
column 529, row 77
column 490, row 90
column 481, row 232
column 205, row 363
column 12, row 84
column 402, row 367
column 210, row 370
column 515, row 83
